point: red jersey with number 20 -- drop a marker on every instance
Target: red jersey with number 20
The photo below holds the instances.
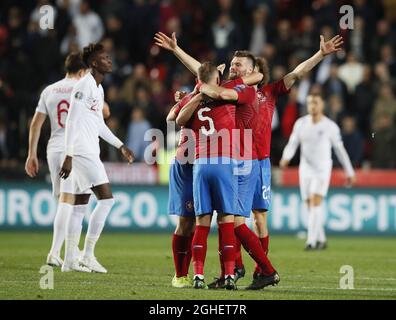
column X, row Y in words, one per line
column 267, row 96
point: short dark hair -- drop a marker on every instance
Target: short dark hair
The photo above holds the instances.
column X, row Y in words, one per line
column 245, row 54
column 263, row 68
column 206, row 71
column 90, row 51
column 74, row 63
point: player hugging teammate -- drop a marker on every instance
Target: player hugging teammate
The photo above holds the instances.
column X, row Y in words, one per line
column 244, row 104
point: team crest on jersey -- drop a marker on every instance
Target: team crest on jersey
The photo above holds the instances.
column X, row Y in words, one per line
column 261, row 97
column 78, row 95
column 239, row 87
column 189, row 206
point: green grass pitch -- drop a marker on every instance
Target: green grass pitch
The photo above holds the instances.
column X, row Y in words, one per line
column 141, row 267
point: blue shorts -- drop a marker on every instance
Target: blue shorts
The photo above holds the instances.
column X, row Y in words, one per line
column 181, row 190
column 262, row 194
column 215, row 185
column 248, row 172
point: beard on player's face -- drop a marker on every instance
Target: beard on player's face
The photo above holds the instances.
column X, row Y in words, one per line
column 235, row 74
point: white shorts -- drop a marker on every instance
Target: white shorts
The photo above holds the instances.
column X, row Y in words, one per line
column 313, row 184
column 59, row 185
column 89, row 172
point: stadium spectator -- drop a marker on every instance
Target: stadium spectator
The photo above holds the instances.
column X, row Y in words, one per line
column 385, row 105
column 88, row 24
column 351, row 72
column 137, row 128
column 334, row 85
column 353, row 140
column 363, row 101
column 258, row 38
column 384, row 139
column 127, row 27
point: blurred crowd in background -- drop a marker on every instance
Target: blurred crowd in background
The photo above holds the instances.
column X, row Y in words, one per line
column 358, row 83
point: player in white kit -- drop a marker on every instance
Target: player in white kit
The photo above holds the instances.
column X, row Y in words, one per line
column 54, row 102
column 316, row 134
column 84, row 126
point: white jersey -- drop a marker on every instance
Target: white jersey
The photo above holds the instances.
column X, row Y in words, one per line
column 84, row 123
column 316, row 140
column 54, row 102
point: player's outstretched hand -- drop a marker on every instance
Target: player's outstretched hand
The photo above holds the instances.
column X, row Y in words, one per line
column 221, row 68
column 180, row 95
column 330, row 46
column 32, row 166
column 127, row 154
column 66, row 167
column 283, row 163
column 163, row 41
column 351, row 181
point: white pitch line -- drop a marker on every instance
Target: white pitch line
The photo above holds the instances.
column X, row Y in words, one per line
column 335, row 277
column 338, row 289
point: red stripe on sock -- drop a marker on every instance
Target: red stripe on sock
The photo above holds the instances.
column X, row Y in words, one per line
column 252, row 245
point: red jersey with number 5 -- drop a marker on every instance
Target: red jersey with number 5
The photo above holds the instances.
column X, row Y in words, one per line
column 54, row 102
column 213, row 123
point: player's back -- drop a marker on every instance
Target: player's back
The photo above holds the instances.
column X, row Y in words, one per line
column 55, row 102
column 213, row 123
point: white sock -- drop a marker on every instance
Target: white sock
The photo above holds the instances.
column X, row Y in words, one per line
column 61, row 217
column 96, row 224
column 73, row 231
column 320, row 231
column 311, row 234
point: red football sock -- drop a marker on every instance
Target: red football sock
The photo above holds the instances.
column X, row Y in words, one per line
column 252, row 245
column 199, row 247
column 180, row 248
column 264, row 243
column 222, row 275
column 238, row 254
column 187, row 259
column 228, row 247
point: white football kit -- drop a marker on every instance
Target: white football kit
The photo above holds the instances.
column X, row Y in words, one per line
column 316, row 140
column 84, row 126
column 54, row 102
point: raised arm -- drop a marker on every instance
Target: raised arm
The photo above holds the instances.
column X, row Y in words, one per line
column 326, row 48
column 32, row 164
column 291, row 147
column 172, row 114
column 187, row 111
column 163, row 41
